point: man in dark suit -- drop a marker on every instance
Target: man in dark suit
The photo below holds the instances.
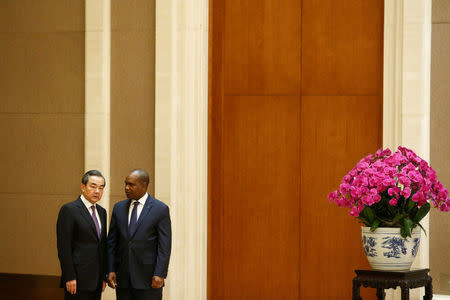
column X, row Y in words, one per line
column 81, row 238
column 139, row 242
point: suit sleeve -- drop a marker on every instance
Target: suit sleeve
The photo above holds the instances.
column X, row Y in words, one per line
column 112, row 243
column 164, row 244
column 64, row 234
column 105, row 256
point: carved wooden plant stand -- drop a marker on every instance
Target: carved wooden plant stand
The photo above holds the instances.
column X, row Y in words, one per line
column 382, row 280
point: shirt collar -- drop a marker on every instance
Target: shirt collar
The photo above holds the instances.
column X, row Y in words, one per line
column 141, row 200
column 87, row 203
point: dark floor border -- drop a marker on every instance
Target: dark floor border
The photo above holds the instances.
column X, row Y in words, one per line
column 11, row 280
column 29, row 286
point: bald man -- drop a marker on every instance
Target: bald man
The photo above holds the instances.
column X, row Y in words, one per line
column 139, row 242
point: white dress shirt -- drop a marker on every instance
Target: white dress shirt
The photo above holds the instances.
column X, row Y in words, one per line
column 88, row 206
column 141, row 203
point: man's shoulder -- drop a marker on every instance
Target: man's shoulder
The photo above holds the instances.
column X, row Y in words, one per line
column 159, row 203
column 69, row 208
column 99, row 207
column 71, row 204
column 121, row 203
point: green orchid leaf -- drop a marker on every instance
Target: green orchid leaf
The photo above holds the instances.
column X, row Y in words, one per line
column 411, row 205
column 384, row 223
column 424, row 231
column 408, row 224
column 375, row 225
column 369, row 215
column 413, row 212
column 422, row 212
column 403, row 232
column 397, row 218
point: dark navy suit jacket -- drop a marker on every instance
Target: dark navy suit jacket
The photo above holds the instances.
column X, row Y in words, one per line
column 138, row 256
column 81, row 253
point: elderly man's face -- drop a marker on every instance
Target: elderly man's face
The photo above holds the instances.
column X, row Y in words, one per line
column 134, row 188
column 93, row 190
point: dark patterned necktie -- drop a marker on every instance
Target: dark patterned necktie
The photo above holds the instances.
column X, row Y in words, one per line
column 94, row 218
column 133, row 219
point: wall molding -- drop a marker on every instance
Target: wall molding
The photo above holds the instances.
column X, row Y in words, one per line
column 406, row 91
column 97, row 96
column 392, row 73
column 97, row 90
column 181, row 118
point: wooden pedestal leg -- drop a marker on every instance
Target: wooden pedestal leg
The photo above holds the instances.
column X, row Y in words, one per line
column 405, row 293
column 356, row 286
column 380, row 293
column 428, row 289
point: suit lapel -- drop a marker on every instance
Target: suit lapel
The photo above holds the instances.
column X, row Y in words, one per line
column 124, row 214
column 102, row 215
column 88, row 218
column 147, row 207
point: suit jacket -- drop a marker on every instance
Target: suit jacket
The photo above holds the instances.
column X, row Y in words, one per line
column 138, row 256
column 82, row 255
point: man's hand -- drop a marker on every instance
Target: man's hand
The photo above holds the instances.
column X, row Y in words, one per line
column 157, row 282
column 112, row 282
column 103, row 286
column 71, row 286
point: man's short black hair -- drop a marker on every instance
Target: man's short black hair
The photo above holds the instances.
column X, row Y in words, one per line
column 143, row 175
column 85, row 178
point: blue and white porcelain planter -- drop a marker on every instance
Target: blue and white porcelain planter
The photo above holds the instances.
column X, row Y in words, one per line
column 386, row 249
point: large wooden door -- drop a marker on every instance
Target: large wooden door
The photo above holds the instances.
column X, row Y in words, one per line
column 295, row 101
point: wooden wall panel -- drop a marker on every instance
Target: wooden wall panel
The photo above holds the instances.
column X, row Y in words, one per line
column 336, row 133
column 42, row 127
column 342, row 47
column 261, row 201
column 132, row 92
column 262, row 47
column 295, row 101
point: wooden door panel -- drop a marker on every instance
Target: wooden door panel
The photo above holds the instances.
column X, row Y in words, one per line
column 262, row 47
column 295, row 100
column 342, row 47
column 261, row 179
column 336, row 133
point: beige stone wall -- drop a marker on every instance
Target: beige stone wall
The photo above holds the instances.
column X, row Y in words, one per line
column 440, row 142
column 181, row 150
column 41, row 127
column 132, row 91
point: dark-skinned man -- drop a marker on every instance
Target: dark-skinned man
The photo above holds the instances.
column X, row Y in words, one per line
column 139, row 242
column 81, row 239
